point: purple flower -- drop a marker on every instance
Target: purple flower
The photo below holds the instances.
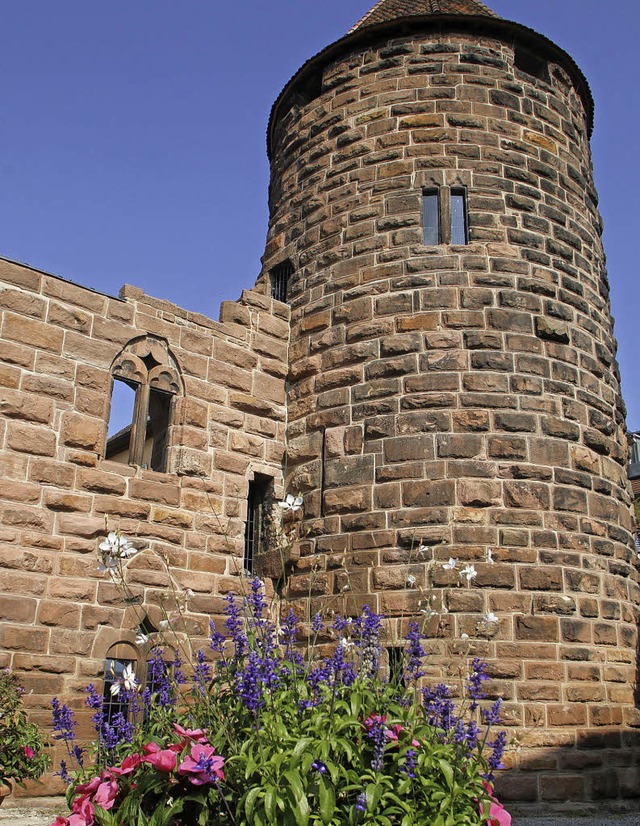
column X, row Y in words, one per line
column 63, row 722
column 376, row 725
column 410, row 759
column 235, row 626
column 368, row 625
column 414, row 654
column 491, row 716
column 495, row 758
column 361, row 802
column 317, row 625
column 217, row 640
column 319, row 767
column 474, row 684
column 202, row 672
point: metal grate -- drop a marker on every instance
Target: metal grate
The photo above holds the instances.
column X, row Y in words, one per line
column 114, row 704
column 258, row 491
column 280, row 276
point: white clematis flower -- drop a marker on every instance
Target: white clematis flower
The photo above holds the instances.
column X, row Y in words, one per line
column 469, row 572
column 411, row 580
column 118, row 546
column 291, row 503
column 451, row 565
column 127, row 681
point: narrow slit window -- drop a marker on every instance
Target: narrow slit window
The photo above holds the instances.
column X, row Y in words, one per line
column 255, row 534
column 157, row 429
column 280, row 276
column 431, row 217
column 123, row 399
column 458, row 217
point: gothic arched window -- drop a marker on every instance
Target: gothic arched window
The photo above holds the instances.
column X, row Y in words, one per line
column 146, row 380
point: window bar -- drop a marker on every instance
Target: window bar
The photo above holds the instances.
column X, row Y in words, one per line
column 280, row 276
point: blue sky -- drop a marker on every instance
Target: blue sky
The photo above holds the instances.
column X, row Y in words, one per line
column 133, row 137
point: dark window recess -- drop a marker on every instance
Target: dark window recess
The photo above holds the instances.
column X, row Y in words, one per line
column 458, row 217
column 396, row 663
column 260, row 490
column 531, row 64
column 114, row 704
column 280, row 276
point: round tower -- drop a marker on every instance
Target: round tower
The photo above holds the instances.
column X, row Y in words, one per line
column 453, row 390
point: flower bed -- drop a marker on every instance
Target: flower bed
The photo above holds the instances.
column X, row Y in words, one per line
column 282, row 723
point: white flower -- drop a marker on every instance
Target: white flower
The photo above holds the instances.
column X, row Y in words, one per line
column 489, row 556
column 464, row 636
column 469, row 572
column 127, row 681
column 428, row 613
column 346, row 644
column 291, row 503
column 116, row 545
column 411, row 580
column 491, row 617
column 163, row 624
column 451, row 565
column 142, row 639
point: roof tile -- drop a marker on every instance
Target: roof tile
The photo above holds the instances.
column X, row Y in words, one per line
column 387, row 10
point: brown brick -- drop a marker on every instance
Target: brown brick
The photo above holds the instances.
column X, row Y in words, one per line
column 28, row 438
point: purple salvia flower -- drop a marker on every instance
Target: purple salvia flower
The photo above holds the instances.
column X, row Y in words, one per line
column 474, row 683
column 63, row 722
column 410, row 759
column 217, row 640
column 202, row 671
column 235, row 626
column 491, row 716
column 377, row 732
column 361, row 802
column 317, row 625
column 368, row 625
column 495, row 758
column 414, row 654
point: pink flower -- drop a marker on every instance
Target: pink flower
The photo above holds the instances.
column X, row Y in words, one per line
column 498, row 815
column 393, row 732
column 374, row 720
column 202, row 765
column 29, row 752
column 198, row 735
column 107, row 791
column 128, row 765
column 83, row 811
column 164, row 760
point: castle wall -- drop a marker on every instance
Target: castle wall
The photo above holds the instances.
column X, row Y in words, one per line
column 59, row 615
column 461, row 401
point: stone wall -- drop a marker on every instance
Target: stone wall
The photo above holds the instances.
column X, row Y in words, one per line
column 59, row 615
column 462, row 401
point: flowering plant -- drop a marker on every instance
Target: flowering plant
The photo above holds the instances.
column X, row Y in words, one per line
column 260, row 734
column 22, row 747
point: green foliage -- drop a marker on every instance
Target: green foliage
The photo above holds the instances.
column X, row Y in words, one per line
column 22, row 746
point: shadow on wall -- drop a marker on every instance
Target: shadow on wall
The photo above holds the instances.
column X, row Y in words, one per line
column 598, row 774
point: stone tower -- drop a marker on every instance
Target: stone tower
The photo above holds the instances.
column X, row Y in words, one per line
column 453, row 389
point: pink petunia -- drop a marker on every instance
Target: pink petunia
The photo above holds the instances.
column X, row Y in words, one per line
column 202, row 766
column 83, row 811
column 393, row 732
column 106, row 793
column 128, row 765
column 198, row 735
column 498, row 815
column 164, row 760
column 375, row 720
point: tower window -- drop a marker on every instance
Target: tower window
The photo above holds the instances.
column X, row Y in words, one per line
column 120, row 677
column 280, row 276
column 260, row 490
column 531, row 64
column 444, row 216
column 431, row 217
column 458, row 217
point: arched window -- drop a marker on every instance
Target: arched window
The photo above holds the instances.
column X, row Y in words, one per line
column 146, row 380
column 122, row 660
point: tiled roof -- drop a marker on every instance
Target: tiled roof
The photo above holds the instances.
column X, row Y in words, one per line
column 387, row 10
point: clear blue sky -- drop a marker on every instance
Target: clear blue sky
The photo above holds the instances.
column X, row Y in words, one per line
column 133, row 136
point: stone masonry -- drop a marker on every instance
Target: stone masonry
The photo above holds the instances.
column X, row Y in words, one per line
column 428, row 400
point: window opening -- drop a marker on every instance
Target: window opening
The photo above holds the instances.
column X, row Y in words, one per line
column 431, row 217
column 115, row 671
column 458, row 217
column 280, row 276
column 396, row 665
column 145, row 382
column 531, row 64
column 444, row 216
column 123, row 399
column 254, row 534
column 323, row 470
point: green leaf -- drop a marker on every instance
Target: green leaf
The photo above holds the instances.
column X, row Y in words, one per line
column 250, row 802
column 447, row 770
column 270, row 804
column 327, row 800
